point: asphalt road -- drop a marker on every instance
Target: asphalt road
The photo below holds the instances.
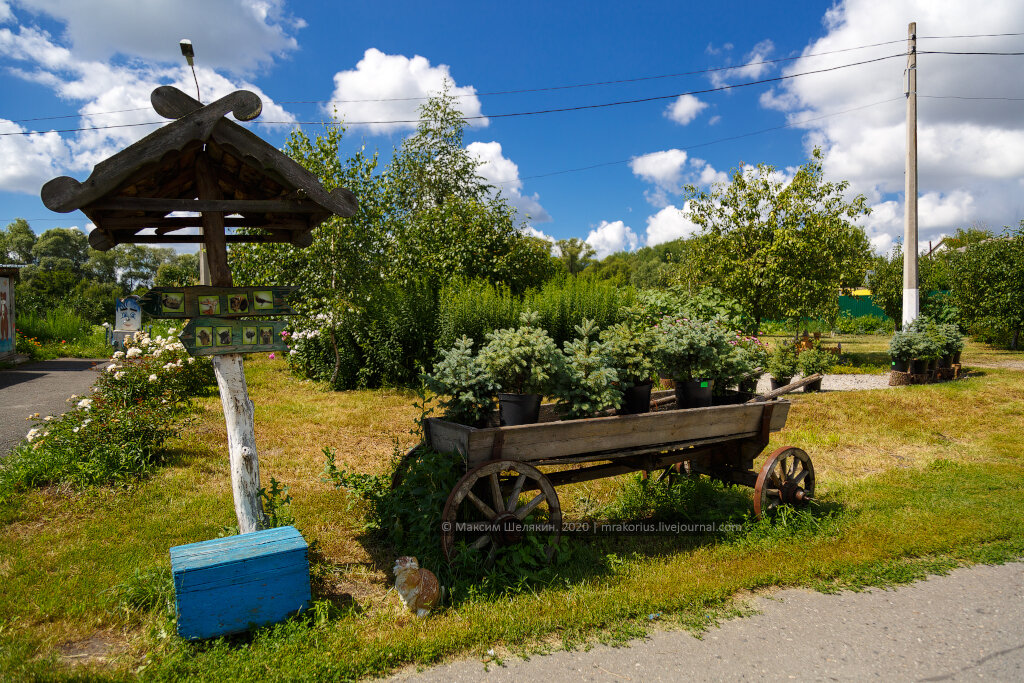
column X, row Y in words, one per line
column 42, row 388
column 968, row 625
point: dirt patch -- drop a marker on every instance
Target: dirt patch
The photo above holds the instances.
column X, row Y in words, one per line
column 99, row 648
column 1000, row 364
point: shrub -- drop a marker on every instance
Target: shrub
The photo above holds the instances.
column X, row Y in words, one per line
column 782, row 362
column 587, row 385
column 747, row 355
column 467, row 390
column 815, row 360
column 863, row 324
column 630, row 352
column 523, row 360
column 117, row 433
column 691, row 349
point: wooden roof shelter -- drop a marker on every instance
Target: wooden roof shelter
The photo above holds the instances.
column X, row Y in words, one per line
column 201, row 163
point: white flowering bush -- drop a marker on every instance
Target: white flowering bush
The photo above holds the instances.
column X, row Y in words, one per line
column 117, row 432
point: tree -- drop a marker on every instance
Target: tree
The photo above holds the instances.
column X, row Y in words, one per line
column 181, row 270
column 886, row 283
column 16, row 243
column 784, row 250
column 576, row 254
column 988, row 286
column 138, row 264
column 61, row 249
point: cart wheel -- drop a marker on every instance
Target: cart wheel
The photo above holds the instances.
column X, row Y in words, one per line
column 787, row 478
column 502, row 482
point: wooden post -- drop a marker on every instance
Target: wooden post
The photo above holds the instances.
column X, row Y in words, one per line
column 234, row 395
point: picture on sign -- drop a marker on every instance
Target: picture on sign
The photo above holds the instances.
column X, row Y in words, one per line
column 248, row 335
column 204, row 336
column 223, row 336
column 266, row 335
column 209, row 305
column 238, row 303
column 173, row 302
column 263, row 299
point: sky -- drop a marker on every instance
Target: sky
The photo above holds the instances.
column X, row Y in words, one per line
column 718, row 89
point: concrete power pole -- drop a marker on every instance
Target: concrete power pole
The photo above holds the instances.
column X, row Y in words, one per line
column 911, row 304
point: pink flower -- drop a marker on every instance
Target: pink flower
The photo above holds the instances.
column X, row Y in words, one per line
column 272, row 356
column 286, row 334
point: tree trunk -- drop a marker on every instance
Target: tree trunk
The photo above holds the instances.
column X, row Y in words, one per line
column 238, row 416
column 234, row 395
column 1016, row 338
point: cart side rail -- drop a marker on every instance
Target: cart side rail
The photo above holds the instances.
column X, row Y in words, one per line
column 553, row 440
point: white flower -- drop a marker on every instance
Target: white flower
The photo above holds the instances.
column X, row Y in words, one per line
column 172, row 331
column 106, row 324
column 87, row 402
column 47, row 418
column 32, row 433
column 87, row 421
column 113, row 367
column 191, row 360
column 75, row 430
column 152, row 378
column 134, row 352
column 118, row 375
column 292, row 352
column 118, row 354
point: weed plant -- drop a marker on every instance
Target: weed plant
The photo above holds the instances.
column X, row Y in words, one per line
column 60, row 324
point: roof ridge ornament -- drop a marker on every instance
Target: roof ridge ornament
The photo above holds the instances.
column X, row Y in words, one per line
column 172, row 103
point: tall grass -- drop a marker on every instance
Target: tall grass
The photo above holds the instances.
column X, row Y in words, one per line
column 476, row 308
column 59, row 324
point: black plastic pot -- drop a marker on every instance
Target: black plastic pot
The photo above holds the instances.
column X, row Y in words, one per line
column 695, row 393
column 956, row 357
column 779, row 382
column 748, row 386
column 918, row 366
column 812, row 386
column 900, row 365
column 518, row 409
column 946, row 362
column 933, row 363
column 636, row 399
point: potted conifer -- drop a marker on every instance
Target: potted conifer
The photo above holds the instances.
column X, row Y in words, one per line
column 628, row 351
column 524, row 363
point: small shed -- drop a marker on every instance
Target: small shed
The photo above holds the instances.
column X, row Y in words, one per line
column 8, row 276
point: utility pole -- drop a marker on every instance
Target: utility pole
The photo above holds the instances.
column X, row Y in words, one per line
column 911, row 304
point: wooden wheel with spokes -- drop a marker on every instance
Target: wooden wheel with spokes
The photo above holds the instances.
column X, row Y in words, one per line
column 787, row 478
column 487, row 508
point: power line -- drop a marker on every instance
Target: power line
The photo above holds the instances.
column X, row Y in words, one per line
column 965, row 97
column 792, row 124
column 774, row 79
column 952, row 52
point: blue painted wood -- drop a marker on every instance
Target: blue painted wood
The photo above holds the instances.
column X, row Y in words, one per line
column 228, row 585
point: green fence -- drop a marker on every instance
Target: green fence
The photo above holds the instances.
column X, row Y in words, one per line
column 860, row 305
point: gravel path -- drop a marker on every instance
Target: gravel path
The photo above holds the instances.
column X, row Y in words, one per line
column 838, row 383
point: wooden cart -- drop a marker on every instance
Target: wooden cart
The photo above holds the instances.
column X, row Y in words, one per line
column 503, row 463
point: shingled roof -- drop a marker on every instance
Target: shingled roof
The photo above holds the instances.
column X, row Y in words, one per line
column 201, row 162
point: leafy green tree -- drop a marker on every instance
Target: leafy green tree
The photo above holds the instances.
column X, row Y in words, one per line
column 886, row 282
column 575, row 254
column 16, row 243
column 181, row 270
column 988, row 286
column 137, row 264
column 101, row 266
column 784, row 250
column 61, row 249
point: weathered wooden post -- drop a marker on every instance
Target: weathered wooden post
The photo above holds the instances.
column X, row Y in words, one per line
column 202, row 163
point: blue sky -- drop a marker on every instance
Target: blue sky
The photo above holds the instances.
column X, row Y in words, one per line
column 85, row 60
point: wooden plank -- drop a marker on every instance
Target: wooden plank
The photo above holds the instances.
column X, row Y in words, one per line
column 277, row 237
column 605, row 435
column 243, row 206
column 171, row 223
column 224, row 302
column 208, row 336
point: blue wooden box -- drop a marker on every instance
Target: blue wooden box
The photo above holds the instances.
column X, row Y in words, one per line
column 228, row 585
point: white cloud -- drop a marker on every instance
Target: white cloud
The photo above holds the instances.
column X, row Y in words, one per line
column 669, row 170
column 5, row 12
column 669, row 224
column 392, row 88
column 503, row 173
column 238, row 35
column 29, row 158
column 534, row 232
column 970, row 152
column 98, row 87
column 752, row 68
column 608, row 238
column 685, row 109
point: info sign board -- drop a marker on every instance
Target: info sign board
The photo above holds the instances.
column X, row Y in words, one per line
column 224, row 302
column 208, row 336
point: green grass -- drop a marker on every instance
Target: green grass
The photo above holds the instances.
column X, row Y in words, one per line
column 911, row 482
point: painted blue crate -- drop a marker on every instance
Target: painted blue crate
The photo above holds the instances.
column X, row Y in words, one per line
column 228, row 585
